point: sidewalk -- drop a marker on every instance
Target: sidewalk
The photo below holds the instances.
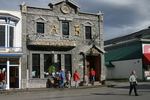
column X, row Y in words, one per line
column 13, row 90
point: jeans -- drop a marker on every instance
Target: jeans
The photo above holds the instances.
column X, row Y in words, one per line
column 61, row 83
column 92, row 78
column 133, row 86
column 76, row 84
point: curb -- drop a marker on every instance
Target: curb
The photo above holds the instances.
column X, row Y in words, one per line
column 47, row 89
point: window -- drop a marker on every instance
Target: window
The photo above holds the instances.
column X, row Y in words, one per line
column 88, row 33
column 68, row 63
column 2, row 35
column 11, row 36
column 47, row 64
column 49, row 61
column 6, row 36
column 36, row 66
column 40, row 27
column 65, row 28
column 14, row 61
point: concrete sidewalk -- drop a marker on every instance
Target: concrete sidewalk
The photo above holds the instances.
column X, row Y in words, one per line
column 14, row 90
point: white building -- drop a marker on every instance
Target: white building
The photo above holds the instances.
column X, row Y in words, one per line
column 127, row 53
column 11, row 47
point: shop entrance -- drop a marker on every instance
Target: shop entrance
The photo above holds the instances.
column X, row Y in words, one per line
column 93, row 62
column 14, row 77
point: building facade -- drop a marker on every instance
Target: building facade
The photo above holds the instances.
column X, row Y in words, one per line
column 58, row 38
column 10, row 48
column 127, row 53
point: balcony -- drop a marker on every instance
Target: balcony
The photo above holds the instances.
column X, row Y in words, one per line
column 11, row 50
column 50, row 37
column 40, row 41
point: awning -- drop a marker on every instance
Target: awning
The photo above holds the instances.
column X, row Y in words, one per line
column 126, row 53
column 18, row 55
column 146, row 58
column 109, row 64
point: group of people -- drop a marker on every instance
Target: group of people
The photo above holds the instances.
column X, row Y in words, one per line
column 2, row 78
column 76, row 77
column 61, row 79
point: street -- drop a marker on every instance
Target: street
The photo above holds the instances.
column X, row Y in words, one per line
column 119, row 92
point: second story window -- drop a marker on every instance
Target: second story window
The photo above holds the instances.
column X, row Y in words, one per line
column 65, row 29
column 2, row 35
column 6, row 36
column 40, row 27
column 88, row 32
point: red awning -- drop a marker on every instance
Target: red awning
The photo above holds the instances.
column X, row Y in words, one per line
column 146, row 58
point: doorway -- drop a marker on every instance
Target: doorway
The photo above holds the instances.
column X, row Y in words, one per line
column 14, row 77
column 93, row 62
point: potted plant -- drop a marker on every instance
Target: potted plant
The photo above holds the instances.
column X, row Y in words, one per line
column 51, row 70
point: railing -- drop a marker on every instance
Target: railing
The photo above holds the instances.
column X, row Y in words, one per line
column 11, row 49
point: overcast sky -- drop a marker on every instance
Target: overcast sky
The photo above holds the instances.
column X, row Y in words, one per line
column 121, row 17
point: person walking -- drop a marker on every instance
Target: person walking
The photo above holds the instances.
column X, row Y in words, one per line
column 68, row 77
column 133, row 83
column 76, row 78
column 62, row 77
column 92, row 75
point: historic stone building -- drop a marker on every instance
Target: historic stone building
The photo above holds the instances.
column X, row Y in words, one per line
column 58, row 38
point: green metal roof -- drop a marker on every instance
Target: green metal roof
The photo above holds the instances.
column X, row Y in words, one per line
column 126, row 53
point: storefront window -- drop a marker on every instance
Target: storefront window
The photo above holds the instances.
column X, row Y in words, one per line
column 47, row 64
column 51, row 67
column 36, row 66
column 3, row 61
column 68, row 63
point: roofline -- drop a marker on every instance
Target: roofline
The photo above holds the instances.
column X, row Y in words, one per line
column 38, row 7
column 128, row 34
column 8, row 15
column 59, row 1
column 123, row 42
column 96, row 14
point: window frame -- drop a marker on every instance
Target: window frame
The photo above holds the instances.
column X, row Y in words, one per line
column 43, row 30
column 33, row 65
column 68, row 28
column 8, row 39
column 88, row 35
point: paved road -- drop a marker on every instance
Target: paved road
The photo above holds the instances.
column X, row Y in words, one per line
column 119, row 92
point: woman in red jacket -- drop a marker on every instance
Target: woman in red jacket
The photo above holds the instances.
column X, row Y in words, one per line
column 76, row 78
column 92, row 73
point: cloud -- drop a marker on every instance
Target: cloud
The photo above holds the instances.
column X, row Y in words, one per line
column 121, row 17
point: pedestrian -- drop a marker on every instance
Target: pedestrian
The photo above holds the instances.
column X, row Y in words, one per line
column 76, row 78
column 68, row 77
column 92, row 75
column 62, row 77
column 3, row 78
column 133, row 83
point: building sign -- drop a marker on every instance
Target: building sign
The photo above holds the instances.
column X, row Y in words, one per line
column 56, row 43
column 146, row 48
